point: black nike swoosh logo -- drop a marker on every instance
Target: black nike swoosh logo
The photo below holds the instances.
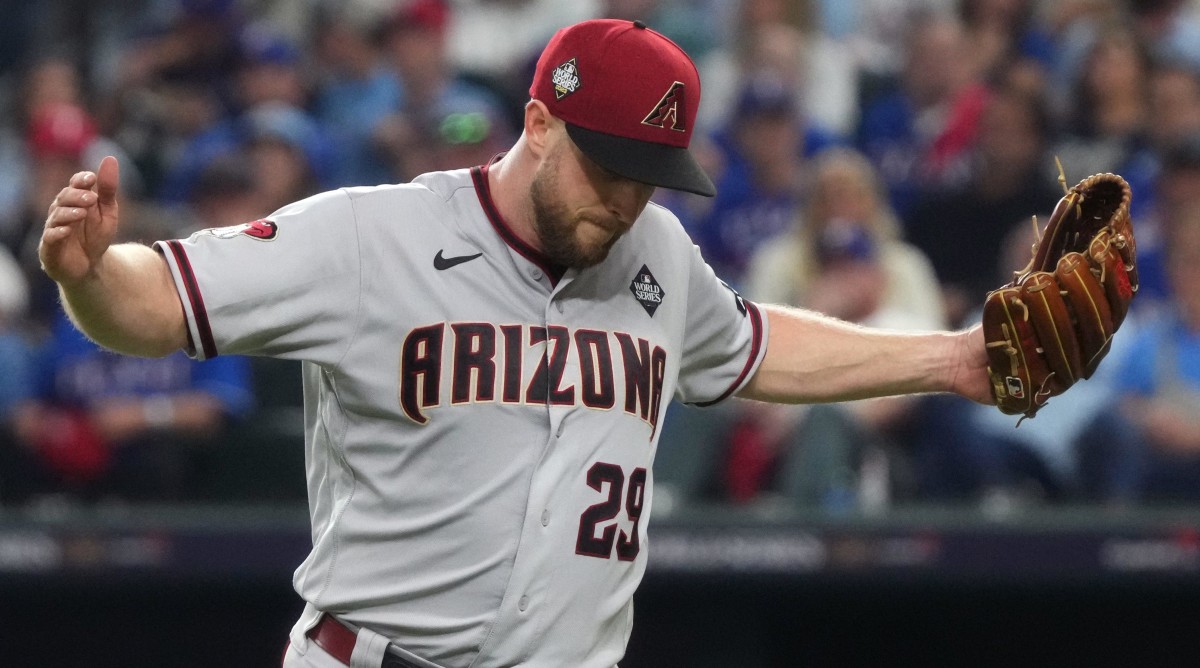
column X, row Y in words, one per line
column 443, row 263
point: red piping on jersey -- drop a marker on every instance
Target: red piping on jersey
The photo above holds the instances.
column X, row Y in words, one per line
column 197, row 300
column 552, row 270
column 755, row 345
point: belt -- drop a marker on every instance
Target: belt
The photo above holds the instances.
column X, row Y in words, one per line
column 338, row 641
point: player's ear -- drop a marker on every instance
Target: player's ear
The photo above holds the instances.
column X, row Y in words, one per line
column 539, row 124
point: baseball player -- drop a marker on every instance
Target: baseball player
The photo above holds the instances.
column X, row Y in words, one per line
column 487, row 354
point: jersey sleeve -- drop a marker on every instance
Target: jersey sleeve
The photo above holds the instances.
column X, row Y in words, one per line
column 724, row 339
column 284, row 286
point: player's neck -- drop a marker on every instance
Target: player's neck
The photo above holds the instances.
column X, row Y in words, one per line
column 509, row 182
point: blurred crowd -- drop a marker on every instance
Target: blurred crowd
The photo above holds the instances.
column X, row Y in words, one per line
column 877, row 160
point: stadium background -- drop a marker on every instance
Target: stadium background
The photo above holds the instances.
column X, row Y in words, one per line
column 991, row 561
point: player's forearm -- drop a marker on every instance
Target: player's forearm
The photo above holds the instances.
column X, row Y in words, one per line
column 812, row 358
column 128, row 303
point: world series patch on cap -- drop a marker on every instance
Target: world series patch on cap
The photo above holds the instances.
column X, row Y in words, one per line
column 629, row 97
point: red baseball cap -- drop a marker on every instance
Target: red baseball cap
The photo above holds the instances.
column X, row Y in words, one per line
column 629, row 98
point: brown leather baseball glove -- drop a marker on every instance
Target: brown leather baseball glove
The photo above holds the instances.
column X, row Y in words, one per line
column 1053, row 324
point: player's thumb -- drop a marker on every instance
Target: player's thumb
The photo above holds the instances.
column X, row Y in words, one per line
column 107, row 178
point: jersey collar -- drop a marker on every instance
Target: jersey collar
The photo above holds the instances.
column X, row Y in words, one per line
column 479, row 175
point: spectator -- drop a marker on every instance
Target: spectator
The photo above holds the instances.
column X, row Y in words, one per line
column 287, row 150
column 1170, row 161
column 196, row 45
column 471, row 44
column 920, row 138
column 876, row 31
column 46, row 81
column 270, row 70
column 1006, row 39
column 1171, row 26
column 20, row 35
column 761, row 188
column 468, row 138
column 1075, row 26
column 844, row 258
column 15, row 350
column 769, row 61
column 1174, row 91
column 158, row 120
column 1175, row 194
column 178, row 82
column 1161, row 380
column 695, row 25
column 99, row 425
column 261, row 111
column 433, row 90
column 16, row 367
column 1106, row 128
column 963, row 229
column 785, row 39
column 226, row 194
column 847, row 211
column 358, row 90
column 1175, row 99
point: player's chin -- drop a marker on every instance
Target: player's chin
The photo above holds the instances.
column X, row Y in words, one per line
column 588, row 257
column 589, row 250
column 599, row 251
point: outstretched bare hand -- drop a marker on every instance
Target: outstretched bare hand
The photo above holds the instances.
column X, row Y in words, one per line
column 81, row 224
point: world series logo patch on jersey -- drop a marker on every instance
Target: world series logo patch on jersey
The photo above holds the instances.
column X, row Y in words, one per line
column 647, row 290
column 565, row 79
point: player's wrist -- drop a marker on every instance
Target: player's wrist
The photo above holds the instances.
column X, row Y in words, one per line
column 75, row 280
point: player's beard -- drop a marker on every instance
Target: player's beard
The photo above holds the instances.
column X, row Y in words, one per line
column 556, row 227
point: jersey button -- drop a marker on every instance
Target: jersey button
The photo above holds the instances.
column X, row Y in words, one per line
column 523, row 603
column 536, row 274
column 545, row 518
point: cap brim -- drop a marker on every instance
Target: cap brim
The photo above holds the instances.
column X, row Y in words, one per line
column 654, row 164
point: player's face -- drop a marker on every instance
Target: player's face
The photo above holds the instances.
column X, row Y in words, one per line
column 581, row 209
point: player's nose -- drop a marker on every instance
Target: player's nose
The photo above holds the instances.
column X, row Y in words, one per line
column 626, row 199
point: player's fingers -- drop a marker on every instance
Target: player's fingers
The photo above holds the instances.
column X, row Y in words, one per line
column 73, row 197
column 107, row 178
column 84, row 180
column 52, row 236
column 57, row 198
column 65, row 215
column 52, row 241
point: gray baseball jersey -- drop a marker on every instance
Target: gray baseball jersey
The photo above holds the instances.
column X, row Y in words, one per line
column 479, row 424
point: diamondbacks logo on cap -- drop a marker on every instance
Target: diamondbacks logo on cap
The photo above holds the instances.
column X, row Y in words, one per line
column 647, row 290
column 668, row 113
column 566, row 79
